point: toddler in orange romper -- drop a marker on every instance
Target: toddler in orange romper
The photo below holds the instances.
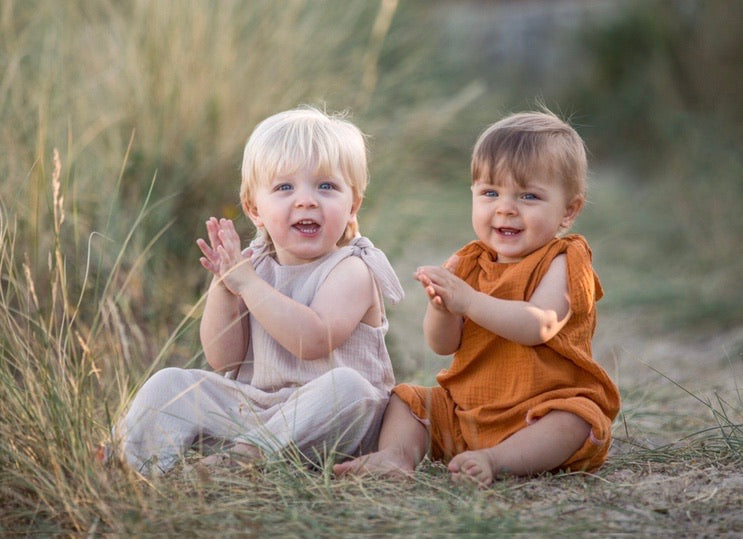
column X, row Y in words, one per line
column 516, row 307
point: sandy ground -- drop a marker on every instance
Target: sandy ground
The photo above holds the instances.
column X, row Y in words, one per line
column 705, row 362
column 669, row 472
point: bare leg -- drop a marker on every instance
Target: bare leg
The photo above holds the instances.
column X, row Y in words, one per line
column 540, row 447
column 403, row 441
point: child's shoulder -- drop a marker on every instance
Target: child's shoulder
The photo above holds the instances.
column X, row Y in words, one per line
column 351, row 265
column 576, row 248
column 576, row 240
column 583, row 283
column 349, row 280
column 350, row 269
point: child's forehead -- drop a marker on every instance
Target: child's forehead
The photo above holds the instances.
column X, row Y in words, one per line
column 506, row 172
column 510, row 180
column 314, row 168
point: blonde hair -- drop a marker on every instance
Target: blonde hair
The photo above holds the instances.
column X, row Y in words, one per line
column 528, row 143
column 305, row 137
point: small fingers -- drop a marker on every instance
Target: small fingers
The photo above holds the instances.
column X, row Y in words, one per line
column 229, row 238
column 222, row 253
column 452, row 263
column 227, row 229
column 212, row 227
column 205, row 248
column 209, row 266
column 210, row 260
column 423, row 273
column 227, row 224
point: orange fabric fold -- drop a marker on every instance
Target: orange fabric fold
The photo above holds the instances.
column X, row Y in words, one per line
column 497, row 387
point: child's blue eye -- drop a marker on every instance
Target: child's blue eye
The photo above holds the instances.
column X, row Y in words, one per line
column 530, row 196
column 490, row 193
column 283, row 187
column 327, row 186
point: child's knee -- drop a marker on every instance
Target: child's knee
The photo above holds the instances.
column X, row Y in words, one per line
column 590, row 452
column 571, row 422
column 164, row 384
column 350, row 383
column 167, row 376
column 348, row 390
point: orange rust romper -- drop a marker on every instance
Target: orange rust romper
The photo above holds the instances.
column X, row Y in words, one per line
column 495, row 387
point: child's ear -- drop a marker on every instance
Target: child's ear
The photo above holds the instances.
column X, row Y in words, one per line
column 251, row 211
column 355, row 207
column 572, row 210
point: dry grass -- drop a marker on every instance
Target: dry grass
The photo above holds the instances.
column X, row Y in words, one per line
column 674, row 469
column 149, row 107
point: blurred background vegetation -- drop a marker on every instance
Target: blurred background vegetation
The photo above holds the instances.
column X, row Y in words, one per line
column 150, row 104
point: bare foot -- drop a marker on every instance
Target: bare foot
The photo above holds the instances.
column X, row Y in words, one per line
column 474, row 466
column 382, row 463
column 238, row 454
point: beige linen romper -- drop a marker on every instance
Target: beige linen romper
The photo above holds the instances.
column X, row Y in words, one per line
column 274, row 399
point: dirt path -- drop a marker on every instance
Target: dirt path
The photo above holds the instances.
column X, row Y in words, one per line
column 712, row 361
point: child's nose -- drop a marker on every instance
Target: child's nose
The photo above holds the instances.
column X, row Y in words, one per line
column 506, row 206
column 305, row 198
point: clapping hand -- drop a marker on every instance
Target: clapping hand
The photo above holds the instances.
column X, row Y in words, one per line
column 222, row 254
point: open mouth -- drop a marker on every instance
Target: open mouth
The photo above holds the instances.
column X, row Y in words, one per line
column 506, row 231
column 307, row 226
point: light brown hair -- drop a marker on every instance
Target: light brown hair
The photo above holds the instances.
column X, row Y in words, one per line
column 529, row 143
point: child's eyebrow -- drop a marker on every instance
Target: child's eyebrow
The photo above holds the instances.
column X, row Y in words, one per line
column 535, row 185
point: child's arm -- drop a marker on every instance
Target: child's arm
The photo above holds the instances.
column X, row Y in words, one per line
column 443, row 329
column 308, row 332
column 224, row 330
column 529, row 323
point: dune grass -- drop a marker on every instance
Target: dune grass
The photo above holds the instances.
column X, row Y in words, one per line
column 67, row 371
column 121, row 130
column 674, row 468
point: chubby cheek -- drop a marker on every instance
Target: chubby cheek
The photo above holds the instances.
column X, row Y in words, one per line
column 258, row 215
column 275, row 226
column 480, row 220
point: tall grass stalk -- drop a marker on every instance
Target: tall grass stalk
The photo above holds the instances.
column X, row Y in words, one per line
column 99, row 283
column 728, row 416
column 66, row 371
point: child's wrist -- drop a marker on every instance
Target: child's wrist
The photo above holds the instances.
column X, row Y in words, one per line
column 218, row 284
